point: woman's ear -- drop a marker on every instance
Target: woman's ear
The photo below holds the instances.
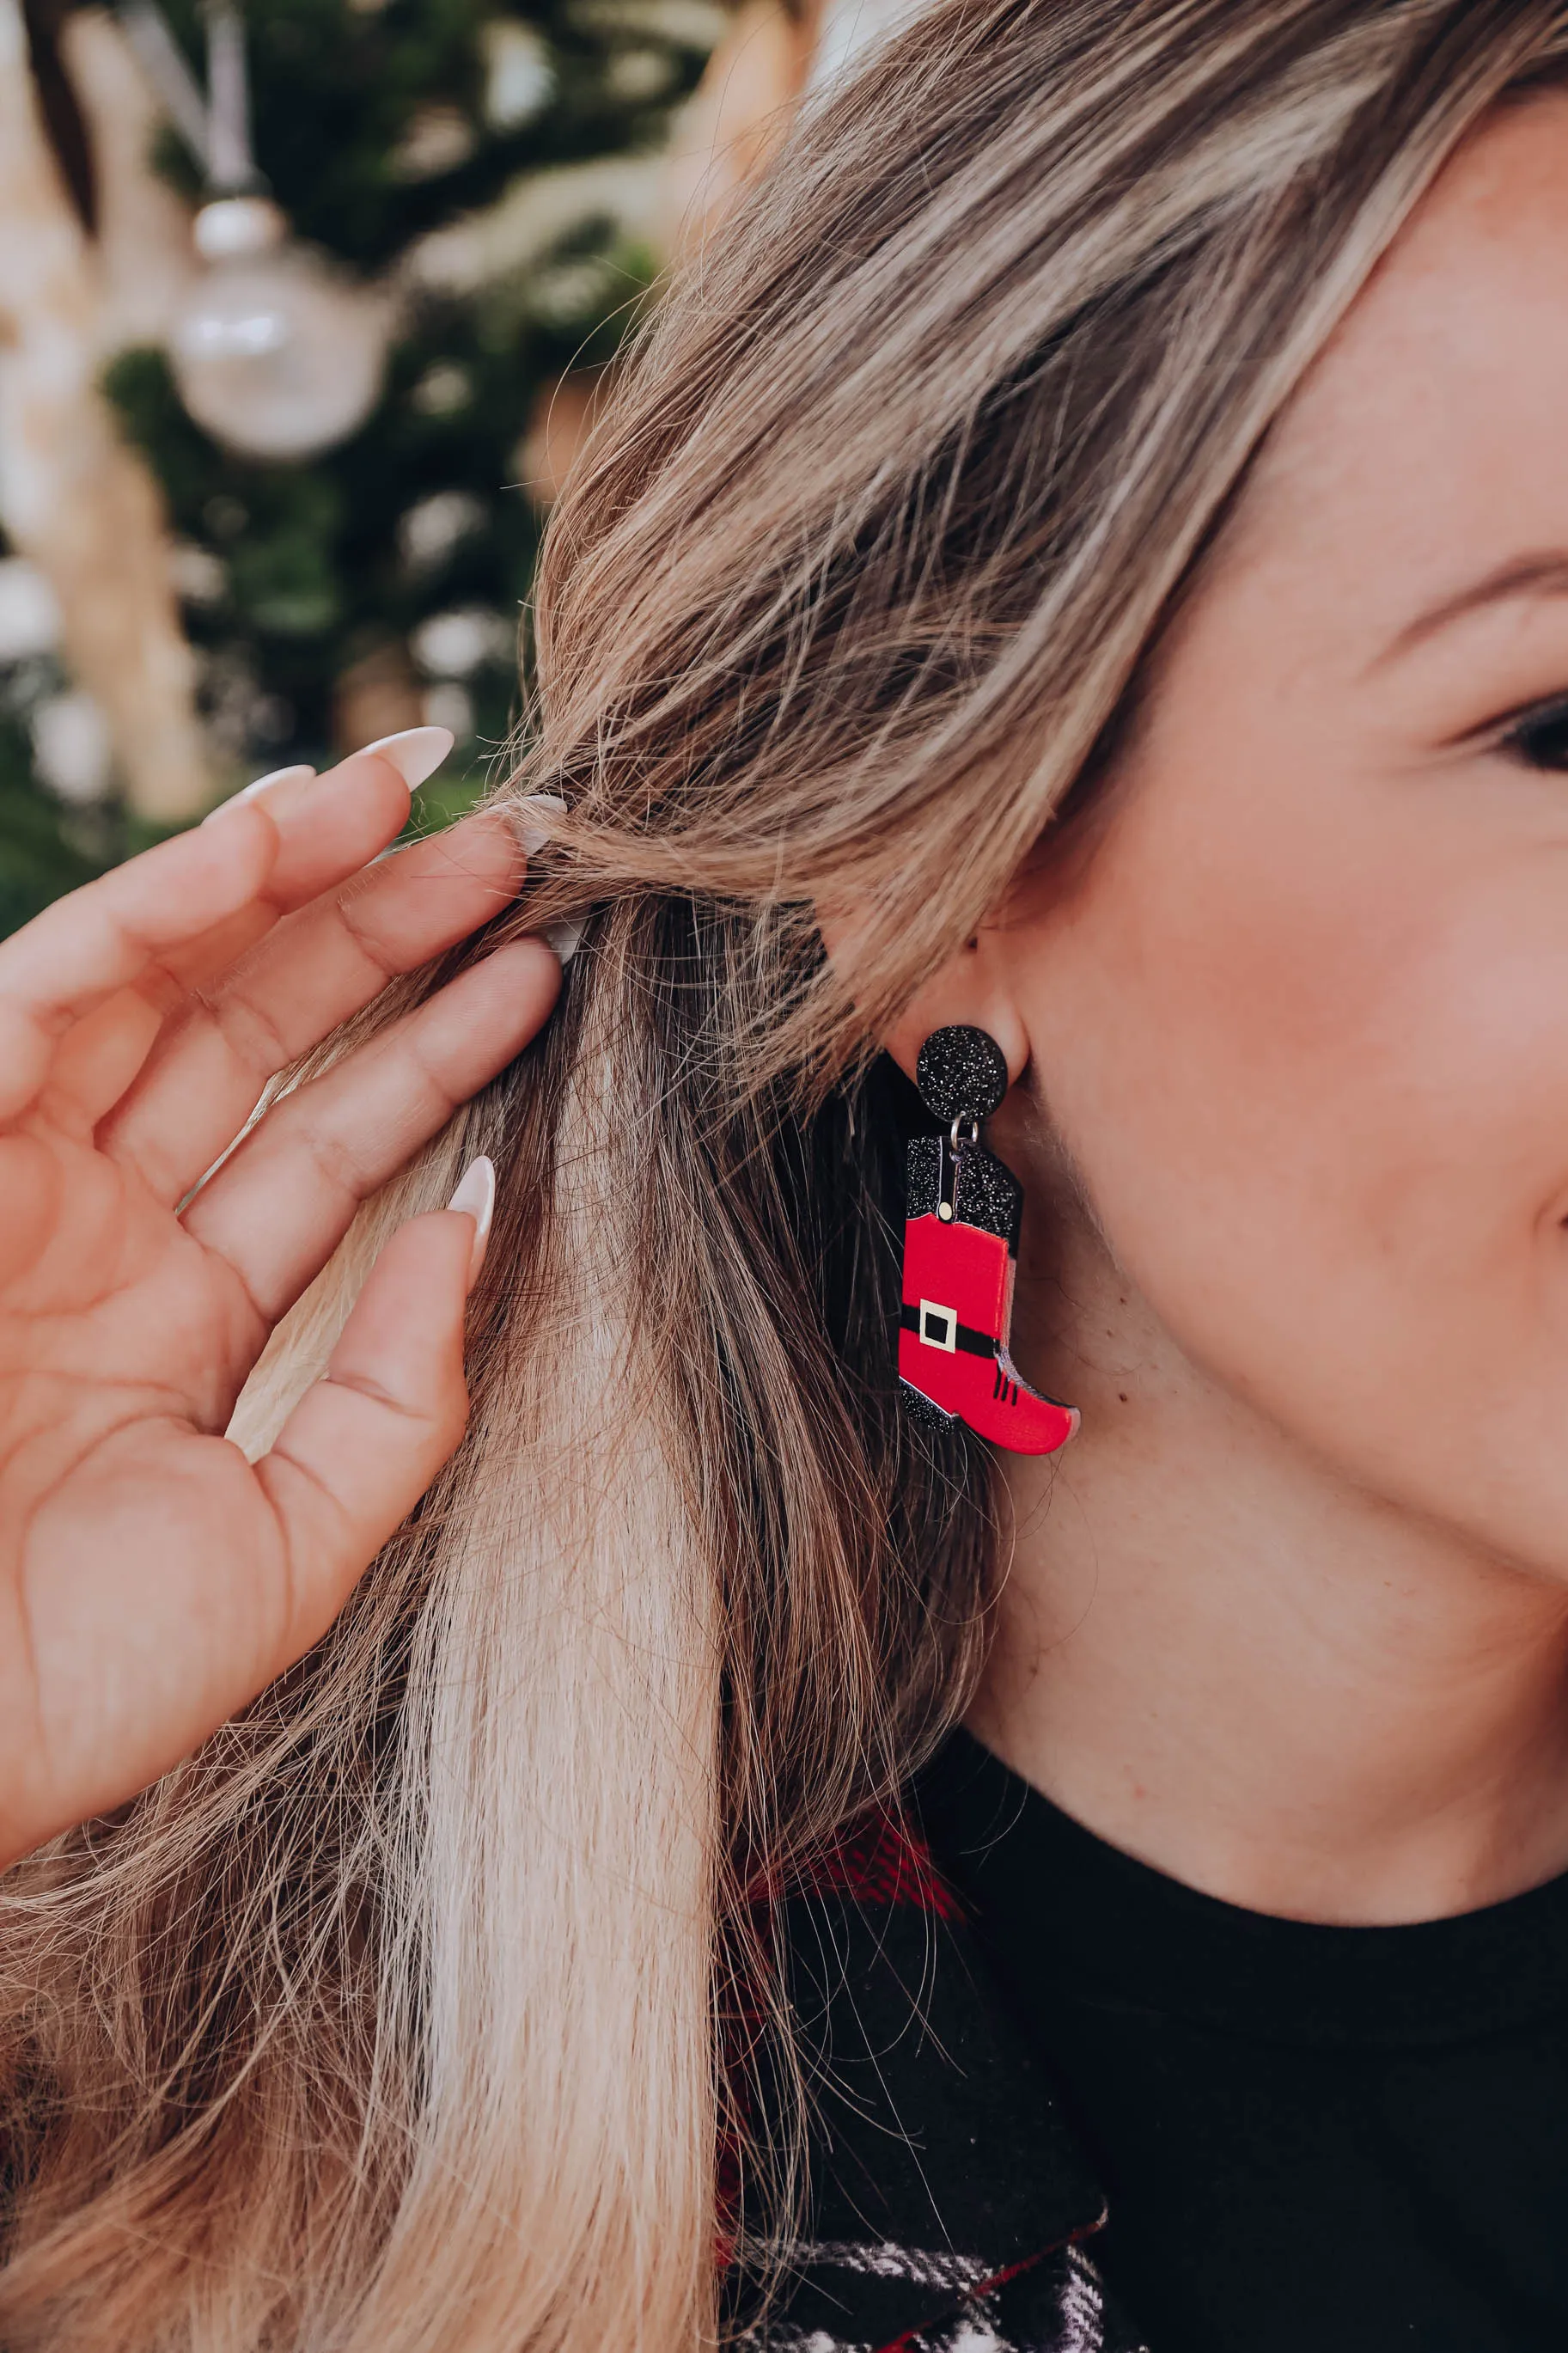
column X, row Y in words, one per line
column 974, row 987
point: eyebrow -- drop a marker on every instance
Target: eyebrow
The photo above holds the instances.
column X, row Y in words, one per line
column 1543, row 574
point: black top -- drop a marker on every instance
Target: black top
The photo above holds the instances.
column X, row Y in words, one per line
column 1308, row 2136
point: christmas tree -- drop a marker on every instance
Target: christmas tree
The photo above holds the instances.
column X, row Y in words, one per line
column 470, row 187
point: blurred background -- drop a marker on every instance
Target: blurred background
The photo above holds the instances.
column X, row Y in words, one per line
column 304, row 308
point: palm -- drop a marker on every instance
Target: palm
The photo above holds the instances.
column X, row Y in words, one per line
column 119, row 1346
column 152, row 1579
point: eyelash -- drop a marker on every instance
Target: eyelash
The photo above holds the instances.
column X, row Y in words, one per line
column 1538, row 738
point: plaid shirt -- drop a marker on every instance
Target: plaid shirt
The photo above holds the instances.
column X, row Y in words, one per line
column 951, row 2210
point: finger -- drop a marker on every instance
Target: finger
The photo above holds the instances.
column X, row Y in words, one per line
column 311, row 972
column 328, row 828
column 98, row 1057
column 116, row 932
column 277, row 1209
column 331, row 825
column 362, row 1446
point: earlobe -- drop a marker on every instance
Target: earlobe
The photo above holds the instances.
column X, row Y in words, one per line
column 972, row 989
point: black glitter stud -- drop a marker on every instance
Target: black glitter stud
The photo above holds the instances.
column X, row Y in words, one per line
column 961, row 1074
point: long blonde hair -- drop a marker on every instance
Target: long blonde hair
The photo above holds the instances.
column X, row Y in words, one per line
column 408, row 2015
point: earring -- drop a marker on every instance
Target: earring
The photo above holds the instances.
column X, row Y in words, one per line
column 961, row 1247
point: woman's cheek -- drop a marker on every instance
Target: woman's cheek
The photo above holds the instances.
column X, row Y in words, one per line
column 1319, row 1094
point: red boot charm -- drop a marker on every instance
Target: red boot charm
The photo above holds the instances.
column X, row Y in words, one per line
column 961, row 1244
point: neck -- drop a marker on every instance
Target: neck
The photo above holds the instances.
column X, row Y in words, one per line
column 1268, row 1685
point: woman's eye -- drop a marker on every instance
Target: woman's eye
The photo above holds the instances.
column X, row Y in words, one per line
column 1540, row 738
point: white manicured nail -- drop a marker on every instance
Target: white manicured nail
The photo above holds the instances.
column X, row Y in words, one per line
column 533, row 837
column 566, row 937
column 297, row 775
column 476, row 1197
column 415, row 752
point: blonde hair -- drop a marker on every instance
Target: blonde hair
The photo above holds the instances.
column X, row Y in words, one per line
column 413, row 2012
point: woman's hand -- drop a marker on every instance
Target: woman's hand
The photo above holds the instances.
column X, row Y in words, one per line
column 151, row 1580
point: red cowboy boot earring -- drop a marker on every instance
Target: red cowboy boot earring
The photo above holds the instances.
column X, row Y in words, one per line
column 961, row 1249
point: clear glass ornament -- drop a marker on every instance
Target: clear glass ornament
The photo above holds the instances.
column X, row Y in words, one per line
column 276, row 353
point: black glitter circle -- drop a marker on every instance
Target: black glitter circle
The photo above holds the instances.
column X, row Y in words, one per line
column 961, row 1074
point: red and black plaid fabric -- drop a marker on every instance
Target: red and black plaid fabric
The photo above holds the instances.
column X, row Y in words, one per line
column 950, row 2210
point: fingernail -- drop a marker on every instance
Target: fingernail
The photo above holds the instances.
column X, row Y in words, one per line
column 533, row 837
column 476, row 1197
column 297, row 775
column 566, row 937
column 415, row 752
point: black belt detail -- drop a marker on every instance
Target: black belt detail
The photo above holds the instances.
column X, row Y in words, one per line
column 972, row 1343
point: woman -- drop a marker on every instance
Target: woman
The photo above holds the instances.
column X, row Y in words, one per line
column 1081, row 561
